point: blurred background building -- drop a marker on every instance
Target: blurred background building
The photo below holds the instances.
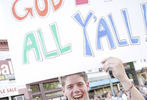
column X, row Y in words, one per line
column 8, row 86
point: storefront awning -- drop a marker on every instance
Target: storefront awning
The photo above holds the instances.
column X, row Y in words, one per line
column 102, row 82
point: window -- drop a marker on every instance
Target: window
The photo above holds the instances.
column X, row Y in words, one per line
column 51, row 85
column 20, row 97
column 48, row 89
column 4, row 98
column 35, row 88
column 53, row 95
column 37, row 97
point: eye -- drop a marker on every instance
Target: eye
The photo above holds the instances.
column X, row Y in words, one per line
column 80, row 84
column 69, row 86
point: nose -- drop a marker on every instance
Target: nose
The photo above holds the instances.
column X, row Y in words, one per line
column 76, row 89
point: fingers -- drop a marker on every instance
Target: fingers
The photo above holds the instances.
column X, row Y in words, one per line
column 107, row 60
column 103, row 61
column 116, row 66
column 106, row 65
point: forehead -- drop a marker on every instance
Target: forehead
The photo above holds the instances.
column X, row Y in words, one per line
column 72, row 79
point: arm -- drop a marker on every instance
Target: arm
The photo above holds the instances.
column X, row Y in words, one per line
column 119, row 72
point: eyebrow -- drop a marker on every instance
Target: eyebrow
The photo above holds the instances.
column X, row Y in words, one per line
column 75, row 83
column 70, row 84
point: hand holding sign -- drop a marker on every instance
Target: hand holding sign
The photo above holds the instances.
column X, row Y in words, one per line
column 118, row 71
column 117, row 67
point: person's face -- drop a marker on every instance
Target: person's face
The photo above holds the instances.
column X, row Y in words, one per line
column 75, row 88
column 109, row 95
column 96, row 98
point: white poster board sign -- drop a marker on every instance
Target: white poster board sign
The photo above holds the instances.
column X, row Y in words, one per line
column 49, row 38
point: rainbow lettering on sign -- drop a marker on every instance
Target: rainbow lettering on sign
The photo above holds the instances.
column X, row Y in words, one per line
column 103, row 30
column 40, row 12
column 31, row 43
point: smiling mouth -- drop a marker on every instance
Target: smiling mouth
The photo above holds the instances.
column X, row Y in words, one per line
column 77, row 97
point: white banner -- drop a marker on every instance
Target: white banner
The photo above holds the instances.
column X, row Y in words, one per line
column 50, row 38
column 8, row 90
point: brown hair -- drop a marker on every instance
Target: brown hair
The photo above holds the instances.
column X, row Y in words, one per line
column 82, row 74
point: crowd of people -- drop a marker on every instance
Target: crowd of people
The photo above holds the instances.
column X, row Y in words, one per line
column 108, row 96
column 143, row 90
column 121, row 95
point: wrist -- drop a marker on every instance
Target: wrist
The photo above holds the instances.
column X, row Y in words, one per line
column 126, row 83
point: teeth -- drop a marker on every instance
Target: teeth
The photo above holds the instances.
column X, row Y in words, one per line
column 78, row 96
